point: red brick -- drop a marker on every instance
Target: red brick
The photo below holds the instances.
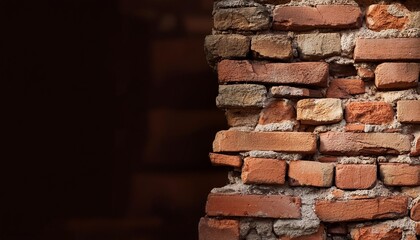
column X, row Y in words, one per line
column 369, row 112
column 242, row 117
column 400, row 174
column 277, row 111
column 397, row 75
column 365, row 73
column 310, row 173
column 210, row 229
column 263, row 171
column 307, row 73
column 355, row 128
column 345, row 88
column 327, row 159
column 375, row 232
column 237, row 141
column 362, row 209
column 269, row 206
column 339, row 143
column 408, row 111
column 379, row 18
column 300, row 18
column 418, row 228
column 415, row 212
column 225, row 160
column 396, row 49
column 319, row 235
column 416, row 149
column 355, row 176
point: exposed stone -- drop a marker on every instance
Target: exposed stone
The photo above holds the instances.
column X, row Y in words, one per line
column 301, row 18
column 263, row 171
column 380, row 17
column 277, row 111
column 241, row 95
column 369, row 112
column 302, row 73
column 310, row 173
column 293, row 92
column 225, row 160
column 342, row 143
column 399, row 174
column 319, row 111
column 272, row 46
column 226, row 46
column 355, row 176
column 399, row 49
column 318, row 45
column 408, row 111
column 210, row 229
column 246, row 19
column 242, row 117
column 345, row 88
column 397, row 75
column 376, row 232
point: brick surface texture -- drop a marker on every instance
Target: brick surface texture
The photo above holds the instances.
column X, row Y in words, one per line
column 322, row 102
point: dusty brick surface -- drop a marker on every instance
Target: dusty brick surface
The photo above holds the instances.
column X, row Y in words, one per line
column 375, row 232
column 272, row 206
column 381, row 17
column 319, row 111
column 277, row 111
column 294, row 92
column 365, row 73
column 226, row 46
column 318, row 45
column 300, row 18
column 399, row 49
column 355, row 176
column 272, row 46
column 304, row 73
column 347, row 143
column 225, row 160
column 237, row 141
column 397, row 75
column 210, row 229
column 408, row 111
column 369, row 112
column 263, row 171
column 345, row 88
column 247, row 19
column 400, row 174
column 310, row 173
column 362, row 209
column 241, row 95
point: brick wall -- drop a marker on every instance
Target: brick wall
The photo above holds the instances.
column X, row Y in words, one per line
column 323, row 102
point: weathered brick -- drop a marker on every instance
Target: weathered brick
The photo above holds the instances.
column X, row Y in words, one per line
column 415, row 212
column 416, row 148
column 318, row 235
column 396, row 49
column 345, row 88
column 225, row 160
column 376, row 232
column 310, row 173
column 319, row 111
column 365, row 73
column 272, row 46
column 355, row 128
column 369, row 112
column 246, row 19
column 237, row 141
column 226, row 46
column 408, row 111
column 300, row 18
column 306, row 73
column 241, row 95
column 293, row 92
column 339, row 143
column 400, row 174
column 361, row 209
column 263, row 171
column 210, row 228
column 266, row 206
column 277, row 111
column 397, row 75
column 381, row 17
column 417, row 228
column 318, row 45
column 242, row 117
column 355, row 176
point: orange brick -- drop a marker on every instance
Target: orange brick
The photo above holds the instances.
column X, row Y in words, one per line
column 345, row 88
column 408, row 111
column 225, row 160
column 415, row 212
column 374, row 232
column 300, row 18
column 355, row 128
column 210, row 229
column 369, row 112
column 362, row 209
column 396, row 49
column 365, row 73
column 310, row 173
column 355, row 176
column 277, row 111
column 400, row 174
column 396, row 75
column 237, row 141
column 266, row 206
column 416, row 149
column 307, row 73
column 263, row 171
column 379, row 18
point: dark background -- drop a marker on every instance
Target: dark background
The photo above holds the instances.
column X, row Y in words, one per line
column 109, row 116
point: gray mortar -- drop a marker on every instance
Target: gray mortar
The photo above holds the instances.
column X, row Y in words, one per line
column 284, row 126
column 396, row 11
column 399, row 159
column 356, row 160
column 272, row 154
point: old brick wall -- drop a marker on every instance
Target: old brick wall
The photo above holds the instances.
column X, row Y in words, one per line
column 323, row 102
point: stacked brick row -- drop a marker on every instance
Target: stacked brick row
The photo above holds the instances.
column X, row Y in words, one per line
column 323, row 103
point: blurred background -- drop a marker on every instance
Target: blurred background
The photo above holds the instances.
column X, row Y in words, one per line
column 109, row 117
